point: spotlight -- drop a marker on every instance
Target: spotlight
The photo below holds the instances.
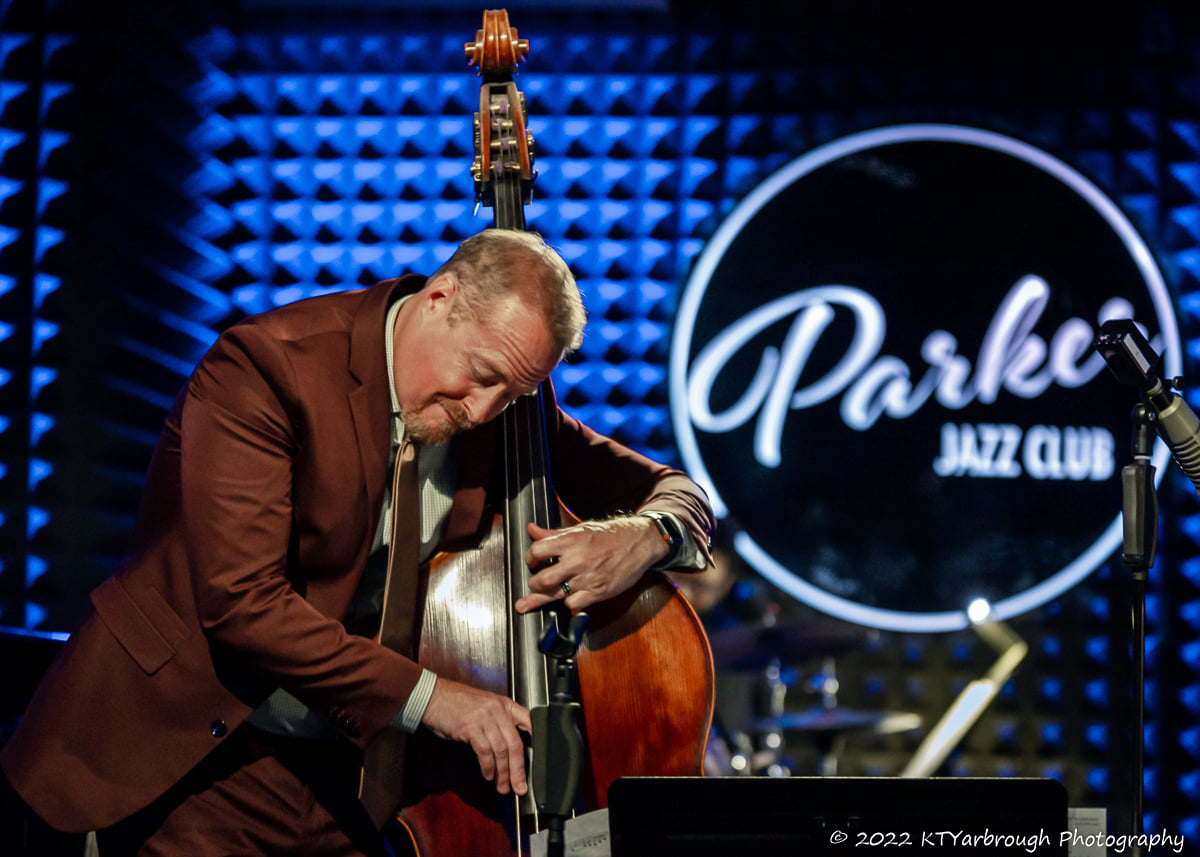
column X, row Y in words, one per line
column 979, row 610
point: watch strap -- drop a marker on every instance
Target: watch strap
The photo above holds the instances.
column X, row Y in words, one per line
column 671, row 533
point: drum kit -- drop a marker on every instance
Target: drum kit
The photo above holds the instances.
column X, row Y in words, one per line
column 757, row 658
column 766, row 653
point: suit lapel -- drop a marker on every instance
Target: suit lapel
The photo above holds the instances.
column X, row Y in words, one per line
column 370, row 402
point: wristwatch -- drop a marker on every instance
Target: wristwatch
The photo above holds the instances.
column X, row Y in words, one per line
column 672, row 534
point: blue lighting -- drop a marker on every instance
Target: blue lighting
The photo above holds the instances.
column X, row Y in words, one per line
column 289, row 295
column 451, row 211
column 1052, row 690
column 251, row 299
column 8, row 137
column 10, row 42
column 1189, row 784
column 43, row 331
column 51, row 141
column 8, row 235
column 35, row 519
column 1097, row 649
column 157, row 355
column 368, row 256
column 1190, row 568
column 1052, row 647
column 11, row 90
column 1097, row 692
column 35, row 614
column 39, row 379
column 47, row 238
column 9, row 186
column 1052, row 736
column 38, row 470
column 39, row 424
column 48, row 191
column 140, row 392
column 43, row 286
column 1190, row 697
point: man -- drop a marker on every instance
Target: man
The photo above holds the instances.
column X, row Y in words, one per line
column 215, row 700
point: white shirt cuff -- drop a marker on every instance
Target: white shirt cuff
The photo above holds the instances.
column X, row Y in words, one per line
column 410, row 716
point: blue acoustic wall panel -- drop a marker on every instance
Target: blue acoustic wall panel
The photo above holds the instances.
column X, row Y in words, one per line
column 38, row 213
column 1173, row 690
column 345, row 161
column 107, row 291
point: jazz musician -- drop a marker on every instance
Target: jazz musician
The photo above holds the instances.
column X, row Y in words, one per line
column 215, row 700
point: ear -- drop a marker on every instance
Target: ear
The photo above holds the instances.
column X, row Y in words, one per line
column 439, row 293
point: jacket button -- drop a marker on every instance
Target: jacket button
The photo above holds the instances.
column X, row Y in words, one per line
column 219, row 728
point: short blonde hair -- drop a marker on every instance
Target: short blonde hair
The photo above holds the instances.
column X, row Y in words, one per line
column 499, row 262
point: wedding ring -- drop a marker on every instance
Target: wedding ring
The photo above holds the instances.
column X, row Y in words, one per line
column 566, row 588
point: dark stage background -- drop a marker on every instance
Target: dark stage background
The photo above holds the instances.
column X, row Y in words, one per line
column 167, row 168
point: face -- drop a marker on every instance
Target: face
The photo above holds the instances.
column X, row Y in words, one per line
column 453, row 374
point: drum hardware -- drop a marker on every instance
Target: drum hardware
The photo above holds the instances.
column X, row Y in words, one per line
column 747, row 648
column 843, row 720
column 828, row 724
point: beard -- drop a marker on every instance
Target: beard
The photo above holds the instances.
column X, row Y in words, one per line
column 435, row 431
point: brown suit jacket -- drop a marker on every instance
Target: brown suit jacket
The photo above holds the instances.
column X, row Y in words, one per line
column 258, row 513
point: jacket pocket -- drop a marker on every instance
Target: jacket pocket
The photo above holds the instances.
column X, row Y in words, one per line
column 148, row 635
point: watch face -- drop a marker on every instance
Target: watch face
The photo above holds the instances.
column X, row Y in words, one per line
column 668, row 528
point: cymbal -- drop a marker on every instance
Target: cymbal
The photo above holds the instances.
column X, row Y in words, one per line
column 744, row 648
column 822, row 719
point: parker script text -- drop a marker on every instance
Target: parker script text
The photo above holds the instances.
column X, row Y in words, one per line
column 1011, row 358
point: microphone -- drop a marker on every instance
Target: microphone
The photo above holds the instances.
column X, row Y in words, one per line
column 1133, row 361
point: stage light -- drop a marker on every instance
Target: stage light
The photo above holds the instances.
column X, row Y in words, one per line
column 975, row 697
column 979, row 610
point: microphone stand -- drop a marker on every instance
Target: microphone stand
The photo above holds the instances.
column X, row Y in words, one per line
column 1140, row 516
column 557, row 742
column 1132, row 359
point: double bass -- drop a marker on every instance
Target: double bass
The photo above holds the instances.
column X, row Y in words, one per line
column 643, row 673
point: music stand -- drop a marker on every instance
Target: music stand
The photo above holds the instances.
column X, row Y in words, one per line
column 719, row 816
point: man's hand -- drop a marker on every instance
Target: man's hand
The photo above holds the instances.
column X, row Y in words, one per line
column 597, row 560
column 489, row 724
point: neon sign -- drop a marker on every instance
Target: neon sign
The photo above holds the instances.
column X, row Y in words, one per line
column 882, row 369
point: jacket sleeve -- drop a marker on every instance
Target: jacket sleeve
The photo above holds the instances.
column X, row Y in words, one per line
column 596, row 477
column 239, row 438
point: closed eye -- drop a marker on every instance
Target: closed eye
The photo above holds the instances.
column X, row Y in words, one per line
column 486, row 375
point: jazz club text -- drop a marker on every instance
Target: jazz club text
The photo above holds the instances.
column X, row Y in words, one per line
column 1006, row 451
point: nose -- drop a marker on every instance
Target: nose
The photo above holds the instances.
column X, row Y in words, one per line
column 485, row 406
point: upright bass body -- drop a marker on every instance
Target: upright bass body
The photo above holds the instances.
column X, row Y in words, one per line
column 645, row 684
column 644, row 669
